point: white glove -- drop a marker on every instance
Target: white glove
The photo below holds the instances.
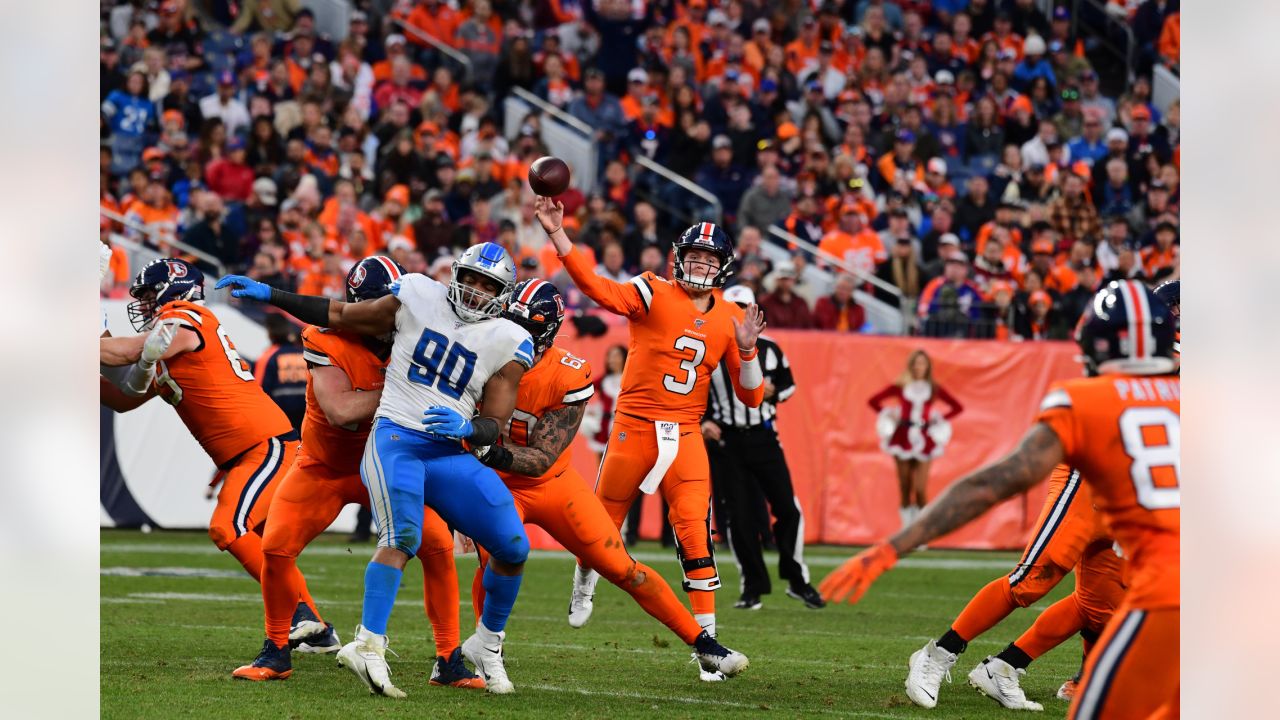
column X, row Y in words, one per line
column 158, row 342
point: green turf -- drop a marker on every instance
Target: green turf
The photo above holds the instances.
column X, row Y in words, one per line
column 169, row 643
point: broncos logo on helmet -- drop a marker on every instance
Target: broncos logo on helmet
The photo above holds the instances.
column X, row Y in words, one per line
column 372, row 277
column 159, row 283
column 1127, row 329
column 711, row 238
column 537, row 307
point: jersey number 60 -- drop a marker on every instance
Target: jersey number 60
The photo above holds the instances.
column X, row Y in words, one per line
column 435, row 362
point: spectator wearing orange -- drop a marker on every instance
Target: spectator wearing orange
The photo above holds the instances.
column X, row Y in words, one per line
column 694, row 22
column 756, row 50
column 900, row 159
column 154, row 212
column 1170, row 44
column 1039, row 322
column 783, row 307
column 964, row 46
column 854, row 244
column 935, row 179
column 479, row 37
column 395, row 45
column 839, row 311
column 388, row 218
column 434, row 18
column 681, row 51
column 1004, row 37
column 1160, row 260
column 804, row 49
column 1073, row 214
column 344, row 197
column 329, row 279
column 637, row 91
column 1056, row 278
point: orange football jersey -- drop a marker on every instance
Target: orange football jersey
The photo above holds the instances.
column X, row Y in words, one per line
column 338, row 447
column 556, row 380
column 1123, row 433
column 213, row 389
column 674, row 347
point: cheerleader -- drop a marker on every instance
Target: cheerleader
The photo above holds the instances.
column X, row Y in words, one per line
column 913, row 429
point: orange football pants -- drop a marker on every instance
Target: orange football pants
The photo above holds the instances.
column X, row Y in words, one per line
column 308, row 500
column 245, row 496
column 1133, row 672
column 1099, row 591
column 630, row 454
column 565, row 507
column 1067, row 525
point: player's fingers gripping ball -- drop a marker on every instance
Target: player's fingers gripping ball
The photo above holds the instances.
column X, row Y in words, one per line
column 243, row 287
column 849, row 581
column 445, row 422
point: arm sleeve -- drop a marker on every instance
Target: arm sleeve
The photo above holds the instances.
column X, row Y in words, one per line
column 628, row 299
column 752, row 397
column 778, row 370
column 954, row 407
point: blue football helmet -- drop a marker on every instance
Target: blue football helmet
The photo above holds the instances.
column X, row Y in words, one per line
column 710, row 237
column 371, row 278
column 1127, row 329
column 536, row 306
column 488, row 259
column 1171, row 294
column 159, row 283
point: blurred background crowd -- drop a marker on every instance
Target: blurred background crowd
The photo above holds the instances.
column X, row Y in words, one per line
column 957, row 168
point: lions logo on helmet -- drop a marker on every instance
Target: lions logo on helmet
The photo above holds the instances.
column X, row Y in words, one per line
column 1127, row 329
column 537, row 307
column 159, row 283
column 371, row 278
column 472, row 304
column 707, row 237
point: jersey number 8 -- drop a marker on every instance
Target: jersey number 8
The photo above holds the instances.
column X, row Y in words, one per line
column 1152, row 439
column 435, row 362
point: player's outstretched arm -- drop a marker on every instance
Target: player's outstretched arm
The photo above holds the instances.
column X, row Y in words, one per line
column 372, row 317
column 618, row 298
column 342, row 405
column 1032, row 461
column 549, row 439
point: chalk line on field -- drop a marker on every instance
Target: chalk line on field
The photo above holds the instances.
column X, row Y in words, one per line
column 700, row 701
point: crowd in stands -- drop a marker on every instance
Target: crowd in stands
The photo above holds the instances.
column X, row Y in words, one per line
column 963, row 153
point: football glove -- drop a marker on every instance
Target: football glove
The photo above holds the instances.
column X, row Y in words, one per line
column 848, row 582
column 243, row 287
column 446, row 422
column 158, row 342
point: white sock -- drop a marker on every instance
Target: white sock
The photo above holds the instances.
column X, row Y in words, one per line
column 585, row 578
column 489, row 637
column 904, row 514
column 707, row 621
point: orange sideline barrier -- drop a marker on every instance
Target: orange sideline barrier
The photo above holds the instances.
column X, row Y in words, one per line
column 846, row 485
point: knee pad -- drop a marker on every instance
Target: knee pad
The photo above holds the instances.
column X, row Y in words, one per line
column 513, row 552
column 691, row 583
column 221, row 536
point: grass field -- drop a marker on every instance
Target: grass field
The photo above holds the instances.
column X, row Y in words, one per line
column 177, row 617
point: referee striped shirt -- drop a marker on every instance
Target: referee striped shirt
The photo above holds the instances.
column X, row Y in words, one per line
column 727, row 410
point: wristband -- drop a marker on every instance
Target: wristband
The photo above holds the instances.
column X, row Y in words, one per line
column 307, row 308
column 484, row 431
column 748, row 354
column 498, row 458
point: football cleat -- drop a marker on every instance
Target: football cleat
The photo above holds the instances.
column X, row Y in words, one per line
column 808, row 594
column 749, row 602
column 454, row 673
column 317, row 643
column 272, row 663
column 714, row 658
column 487, row 658
column 366, row 656
column 928, row 666
column 998, row 680
column 584, row 589
column 1068, row 690
column 304, row 623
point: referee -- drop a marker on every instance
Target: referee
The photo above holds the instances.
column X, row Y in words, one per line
column 747, row 461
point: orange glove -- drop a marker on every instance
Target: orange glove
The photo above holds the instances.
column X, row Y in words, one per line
column 849, row 581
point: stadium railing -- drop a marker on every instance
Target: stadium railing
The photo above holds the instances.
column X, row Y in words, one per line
column 142, row 253
column 679, row 197
column 886, row 318
column 565, row 136
column 461, row 63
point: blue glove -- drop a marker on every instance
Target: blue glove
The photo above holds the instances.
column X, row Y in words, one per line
column 446, row 422
column 243, row 287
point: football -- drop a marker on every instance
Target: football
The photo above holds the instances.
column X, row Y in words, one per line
column 549, row 176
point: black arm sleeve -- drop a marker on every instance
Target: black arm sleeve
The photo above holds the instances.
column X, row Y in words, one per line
column 484, row 431
column 498, row 458
column 307, row 308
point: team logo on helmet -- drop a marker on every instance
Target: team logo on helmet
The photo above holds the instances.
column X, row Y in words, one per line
column 176, row 269
column 357, row 277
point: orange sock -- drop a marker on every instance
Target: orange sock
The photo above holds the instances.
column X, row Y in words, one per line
column 248, row 550
column 280, row 579
column 440, row 588
column 988, row 607
column 1055, row 626
column 477, row 584
column 304, row 593
column 657, row 599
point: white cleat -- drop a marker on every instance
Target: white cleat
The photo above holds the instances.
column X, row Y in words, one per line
column 484, row 650
column 715, row 659
column 1068, row 689
column 366, row 656
column 998, row 680
column 584, row 589
column 928, row 666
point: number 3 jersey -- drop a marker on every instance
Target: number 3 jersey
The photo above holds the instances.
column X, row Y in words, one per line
column 674, row 347
column 437, row 359
column 1123, row 433
column 213, row 389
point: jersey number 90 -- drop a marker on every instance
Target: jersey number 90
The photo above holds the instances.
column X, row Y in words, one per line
column 446, row 366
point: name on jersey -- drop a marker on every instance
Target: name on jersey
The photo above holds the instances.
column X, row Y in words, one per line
column 1148, row 389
